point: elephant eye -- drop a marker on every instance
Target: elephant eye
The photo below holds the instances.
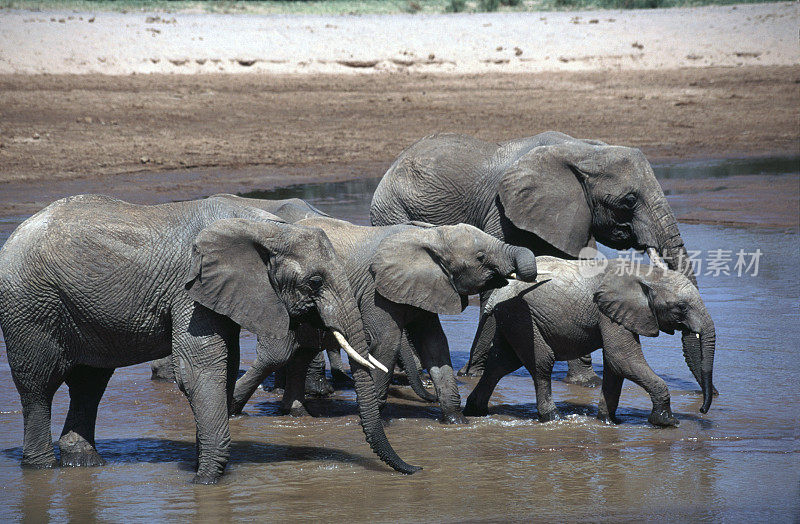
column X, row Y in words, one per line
column 629, row 201
column 481, row 256
column 315, row 282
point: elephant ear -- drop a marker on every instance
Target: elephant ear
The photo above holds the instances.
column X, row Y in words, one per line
column 230, row 275
column 542, row 193
column 407, row 271
column 626, row 299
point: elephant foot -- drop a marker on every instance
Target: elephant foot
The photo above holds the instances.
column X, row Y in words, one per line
column 77, row 452
column 46, row 462
column 318, row 387
column 663, row 417
column 471, row 409
column 549, row 416
column 297, row 409
column 584, row 379
column 474, row 371
column 205, row 480
column 340, row 378
column 234, row 416
column 455, row 417
column 607, row 419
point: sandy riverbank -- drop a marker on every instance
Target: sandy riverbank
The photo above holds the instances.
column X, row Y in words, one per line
column 119, row 44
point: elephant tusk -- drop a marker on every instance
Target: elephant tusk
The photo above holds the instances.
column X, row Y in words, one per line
column 377, row 363
column 655, row 258
column 351, row 352
column 697, row 335
column 513, row 276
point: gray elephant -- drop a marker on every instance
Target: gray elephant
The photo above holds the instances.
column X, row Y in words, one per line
column 580, row 306
column 402, row 277
column 92, row 283
column 550, row 193
column 289, row 210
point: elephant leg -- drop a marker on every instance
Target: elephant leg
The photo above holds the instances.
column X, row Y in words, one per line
column 271, row 355
column 161, row 369
column 428, row 337
column 38, row 371
column 408, row 360
column 316, row 382
column 500, row 363
column 539, row 364
column 612, row 388
column 295, row 391
column 339, row 375
column 200, row 355
column 86, row 388
column 481, row 344
column 581, row 373
column 622, row 352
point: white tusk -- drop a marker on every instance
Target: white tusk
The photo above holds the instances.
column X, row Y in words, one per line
column 377, row 363
column 655, row 258
column 697, row 335
column 350, row 351
column 513, row 276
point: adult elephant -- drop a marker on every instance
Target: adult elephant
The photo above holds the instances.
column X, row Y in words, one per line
column 402, row 276
column 92, row 283
column 289, row 210
column 551, row 193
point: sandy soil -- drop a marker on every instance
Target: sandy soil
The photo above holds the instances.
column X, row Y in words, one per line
column 115, row 43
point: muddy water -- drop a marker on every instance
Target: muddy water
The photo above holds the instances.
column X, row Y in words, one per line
column 741, row 461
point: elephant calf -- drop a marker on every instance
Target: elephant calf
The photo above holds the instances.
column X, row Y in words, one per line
column 580, row 306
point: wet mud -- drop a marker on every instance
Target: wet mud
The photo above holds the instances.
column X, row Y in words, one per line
column 740, row 461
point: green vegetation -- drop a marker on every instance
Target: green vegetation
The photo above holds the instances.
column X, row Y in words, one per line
column 335, row 7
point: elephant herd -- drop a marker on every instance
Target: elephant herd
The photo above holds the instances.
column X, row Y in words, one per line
column 92, row 283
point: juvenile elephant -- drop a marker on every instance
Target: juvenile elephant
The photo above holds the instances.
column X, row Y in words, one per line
column 551, row 193
column 403, row 276
column 92, row 283
column 578, row 307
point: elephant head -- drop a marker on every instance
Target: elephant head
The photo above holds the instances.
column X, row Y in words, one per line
column 262, row 273
column 646, row 300
column 570, row 190
column 437, row 268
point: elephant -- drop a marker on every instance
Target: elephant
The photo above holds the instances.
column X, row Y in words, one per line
column 551, row 193
column 615, row 305
column 92, row 283
column 289, row 210
column 403, row 276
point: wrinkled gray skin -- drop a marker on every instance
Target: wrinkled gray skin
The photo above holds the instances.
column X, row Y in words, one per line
column 582, row 306
column 92, row 283
column 550, row 193
column 402, row 277
column 289, row 210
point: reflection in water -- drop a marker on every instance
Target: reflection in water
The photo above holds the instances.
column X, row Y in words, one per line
column 740, row 461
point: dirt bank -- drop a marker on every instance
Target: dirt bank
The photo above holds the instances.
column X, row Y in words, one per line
column 62, row 135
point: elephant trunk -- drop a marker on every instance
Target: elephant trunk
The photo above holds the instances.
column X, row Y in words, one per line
column 708, row 339
column 525, row 264
column 517, row 262
column 673, row 250
column 346, row 319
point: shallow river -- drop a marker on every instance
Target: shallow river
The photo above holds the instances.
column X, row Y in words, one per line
column 741, row 461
